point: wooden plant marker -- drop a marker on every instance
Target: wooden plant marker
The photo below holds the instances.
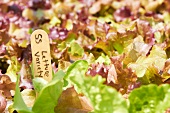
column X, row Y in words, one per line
column 41, row 57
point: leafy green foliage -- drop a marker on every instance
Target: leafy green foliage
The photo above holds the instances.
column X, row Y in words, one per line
column 39, row 83
column 118, row 47
column 76, row 49
column 103, row 98
column 150, row 99
column 75, row 72
column 19, row 104
column 149, row 66
column 103, row 59
column 125, row 42
column 13, row 68
column 47, row 98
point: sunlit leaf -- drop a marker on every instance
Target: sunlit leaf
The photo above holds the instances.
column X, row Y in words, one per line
column 28, row 96
column 48, row 97
column 150, row 99
column 76, row 49
column 100, row 96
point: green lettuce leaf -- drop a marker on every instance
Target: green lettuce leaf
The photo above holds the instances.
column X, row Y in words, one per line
column 150, row 99
column 104, row 98
column 48, row 97
column 103, row 59
column 19, row 104
column 76, row 49
column 77, row 69
column 119, row 47
column 39, row 83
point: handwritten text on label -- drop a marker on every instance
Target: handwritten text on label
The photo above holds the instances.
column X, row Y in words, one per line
column 45, row 61
column 41, row 55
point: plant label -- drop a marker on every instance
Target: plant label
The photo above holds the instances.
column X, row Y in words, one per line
column 41, row 57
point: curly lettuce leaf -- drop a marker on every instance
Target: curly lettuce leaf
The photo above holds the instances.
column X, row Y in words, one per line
column 145, row 65
column 103, row 98
column 76, row 49
column 150, row 99
column 103, row 59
